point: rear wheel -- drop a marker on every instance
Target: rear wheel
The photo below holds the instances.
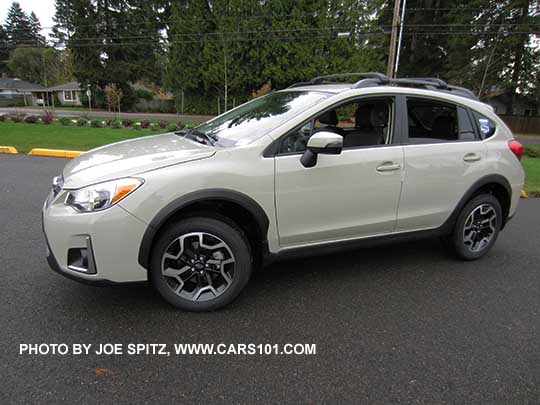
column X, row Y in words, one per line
column 201, row 264
column 476, row 228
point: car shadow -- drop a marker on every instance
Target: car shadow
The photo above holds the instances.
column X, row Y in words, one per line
column 280, row 280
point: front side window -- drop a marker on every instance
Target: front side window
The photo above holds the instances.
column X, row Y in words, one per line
column 361, row 123
column 256, row 118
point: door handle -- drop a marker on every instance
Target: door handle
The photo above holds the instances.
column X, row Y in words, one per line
column 388, row 167
column 472, row 157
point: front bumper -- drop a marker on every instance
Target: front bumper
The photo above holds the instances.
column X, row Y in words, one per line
column 110, row 239
column 53, row 264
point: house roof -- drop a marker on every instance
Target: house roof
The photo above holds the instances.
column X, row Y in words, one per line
column 67, row 86
column 19, row 85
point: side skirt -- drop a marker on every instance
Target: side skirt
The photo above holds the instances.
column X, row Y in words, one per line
column 334, row 247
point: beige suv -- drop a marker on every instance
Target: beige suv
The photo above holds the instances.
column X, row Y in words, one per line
column 320, row 166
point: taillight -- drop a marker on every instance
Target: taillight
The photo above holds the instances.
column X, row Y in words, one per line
column 516, row 148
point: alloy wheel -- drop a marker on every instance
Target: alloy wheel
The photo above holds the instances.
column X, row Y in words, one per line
column 198, row 266
column 479, row 228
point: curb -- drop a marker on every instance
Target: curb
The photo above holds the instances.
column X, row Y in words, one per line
column 524, row 194
column 8, row 149
column 55, row 153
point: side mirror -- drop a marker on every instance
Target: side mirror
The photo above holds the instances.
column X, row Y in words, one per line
column 324, row 142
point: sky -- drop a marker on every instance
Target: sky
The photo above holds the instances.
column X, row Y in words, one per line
column 44, row 9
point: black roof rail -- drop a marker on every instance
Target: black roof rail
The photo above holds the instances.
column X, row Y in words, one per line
column 321, row 79
column 439, row 82
column 299, row 84
column 370, row 79
column 433, row 83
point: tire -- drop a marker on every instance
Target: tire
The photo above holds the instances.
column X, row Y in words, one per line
column 476, row 228
column 181, row 255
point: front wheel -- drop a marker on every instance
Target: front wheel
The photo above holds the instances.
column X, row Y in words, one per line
column 201, row 264
column 476, row 228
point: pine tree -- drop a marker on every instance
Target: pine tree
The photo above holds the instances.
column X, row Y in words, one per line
column 4, row 50
column 63, row 21
column 18, row 27
column 35, row 29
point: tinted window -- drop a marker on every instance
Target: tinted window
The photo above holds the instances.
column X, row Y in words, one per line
column 432, row 121
column 255, row 118
column 486, row 126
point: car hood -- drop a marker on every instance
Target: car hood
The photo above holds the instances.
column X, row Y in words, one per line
column 131, row 157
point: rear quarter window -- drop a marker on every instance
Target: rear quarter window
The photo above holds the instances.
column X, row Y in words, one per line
column 486, row 126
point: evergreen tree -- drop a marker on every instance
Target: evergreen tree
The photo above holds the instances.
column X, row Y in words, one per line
column 63, row 19
column 35, row 29
column 112, row 41
column 229, row 48
column 4, row 50
column 18, row 27
column 480, row 44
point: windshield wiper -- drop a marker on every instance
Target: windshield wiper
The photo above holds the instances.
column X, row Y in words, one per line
column 198, row 136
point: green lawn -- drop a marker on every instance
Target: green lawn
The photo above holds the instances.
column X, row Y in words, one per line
column 532, row 175
column 55, row 136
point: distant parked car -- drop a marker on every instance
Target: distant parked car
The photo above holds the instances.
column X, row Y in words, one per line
column 316, row 167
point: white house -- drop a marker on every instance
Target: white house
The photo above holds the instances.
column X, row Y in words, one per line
column 68, row 93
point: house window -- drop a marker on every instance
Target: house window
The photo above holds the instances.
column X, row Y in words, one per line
column 69, row 95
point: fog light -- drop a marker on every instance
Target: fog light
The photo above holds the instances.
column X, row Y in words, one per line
column 81, row 259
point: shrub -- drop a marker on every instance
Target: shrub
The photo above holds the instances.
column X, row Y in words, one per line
column 136, row 126
column 265, row 89
column 171, row 127
column 163, row 124
column 31, row 119
column 47, row 117
column 144, row 94
column 3, row 117
column 531, row 152
column 115, row 124
column 16, row 117
column 145, row 124
column 96, row 124
column 81, row 122
column 64, row 120
column 180, row 125
column 127, row 123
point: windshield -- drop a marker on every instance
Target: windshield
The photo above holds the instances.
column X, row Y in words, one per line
column 254, row 119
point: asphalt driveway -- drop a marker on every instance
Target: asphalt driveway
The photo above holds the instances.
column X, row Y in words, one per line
column 399, row 323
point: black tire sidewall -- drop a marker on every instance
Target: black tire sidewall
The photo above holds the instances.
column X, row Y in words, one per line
column 457, row 236
column 227, row 232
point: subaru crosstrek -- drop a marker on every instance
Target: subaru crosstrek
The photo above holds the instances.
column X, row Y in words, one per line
column 319, row 166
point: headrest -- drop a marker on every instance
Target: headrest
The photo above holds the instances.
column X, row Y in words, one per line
column 363, row 117
column 443, row 127
column 329, row 118
column 379, row 115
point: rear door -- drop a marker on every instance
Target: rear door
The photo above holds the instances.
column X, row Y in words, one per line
column 443, row 157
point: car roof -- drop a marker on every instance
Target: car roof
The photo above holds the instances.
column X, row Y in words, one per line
column 337, row 88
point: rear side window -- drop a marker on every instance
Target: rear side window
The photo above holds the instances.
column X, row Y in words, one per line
column 432, row 121
column 486, row 126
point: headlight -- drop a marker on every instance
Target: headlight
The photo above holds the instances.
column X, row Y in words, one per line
column 101, row 196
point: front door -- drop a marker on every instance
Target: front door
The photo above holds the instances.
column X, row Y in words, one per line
column 346, row 196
